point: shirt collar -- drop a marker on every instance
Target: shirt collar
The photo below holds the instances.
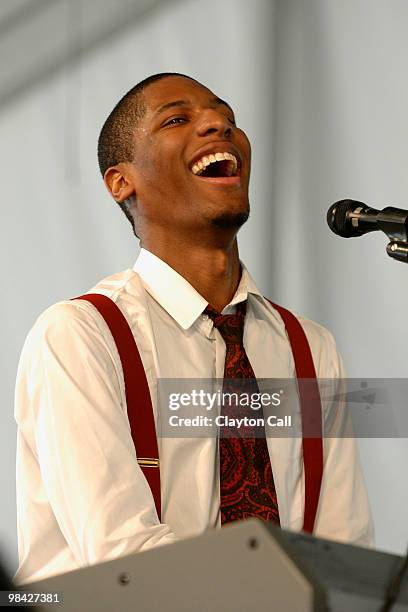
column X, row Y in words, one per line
column 176, row 295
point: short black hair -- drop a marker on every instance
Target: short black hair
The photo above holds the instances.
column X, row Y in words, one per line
column 116, row 139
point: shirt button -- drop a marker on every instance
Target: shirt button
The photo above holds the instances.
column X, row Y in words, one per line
column 205, row 317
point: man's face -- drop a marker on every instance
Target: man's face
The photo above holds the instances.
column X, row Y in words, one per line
column 192, row 164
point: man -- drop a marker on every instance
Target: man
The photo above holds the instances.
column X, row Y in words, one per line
column 174, row 159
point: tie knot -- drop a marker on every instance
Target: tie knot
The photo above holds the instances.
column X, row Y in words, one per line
column 231, row 327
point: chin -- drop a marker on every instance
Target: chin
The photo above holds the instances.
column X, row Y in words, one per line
column 230, row 220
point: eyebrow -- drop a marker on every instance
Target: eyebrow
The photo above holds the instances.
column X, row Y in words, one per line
column 213, row 102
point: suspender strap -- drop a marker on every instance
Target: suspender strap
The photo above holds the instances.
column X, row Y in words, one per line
column 311, row 409
column 140, row 410
column 138, row 401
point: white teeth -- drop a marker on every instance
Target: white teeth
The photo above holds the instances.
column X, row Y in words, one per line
column 206, row 160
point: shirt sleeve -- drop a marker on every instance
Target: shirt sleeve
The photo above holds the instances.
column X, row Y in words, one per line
column 71, row 411
column 343, row 513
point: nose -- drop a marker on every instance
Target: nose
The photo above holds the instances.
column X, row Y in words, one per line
column 214, row 122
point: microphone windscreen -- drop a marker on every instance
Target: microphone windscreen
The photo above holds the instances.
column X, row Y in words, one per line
column 337, row 218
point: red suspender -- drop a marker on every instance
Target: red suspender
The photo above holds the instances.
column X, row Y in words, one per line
column 140, row 410
column 311, row 408
column 139, row 405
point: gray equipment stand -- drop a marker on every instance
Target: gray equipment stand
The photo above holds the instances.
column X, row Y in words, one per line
column 242, row 567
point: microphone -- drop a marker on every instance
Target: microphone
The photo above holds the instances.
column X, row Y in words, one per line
column 350, row 218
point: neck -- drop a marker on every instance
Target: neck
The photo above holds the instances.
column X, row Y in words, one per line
column 213, row 270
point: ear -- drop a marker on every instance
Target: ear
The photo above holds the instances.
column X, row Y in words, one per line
column 119, row 182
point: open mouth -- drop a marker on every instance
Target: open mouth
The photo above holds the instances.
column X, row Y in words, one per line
column 216, row 165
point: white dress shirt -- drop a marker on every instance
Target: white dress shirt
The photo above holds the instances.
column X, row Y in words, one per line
column 81, row 495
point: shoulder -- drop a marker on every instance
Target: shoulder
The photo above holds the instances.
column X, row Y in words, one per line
column 327, row 360
column 78, row 320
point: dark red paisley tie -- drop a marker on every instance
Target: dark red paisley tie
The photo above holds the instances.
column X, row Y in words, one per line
column 247, row 488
